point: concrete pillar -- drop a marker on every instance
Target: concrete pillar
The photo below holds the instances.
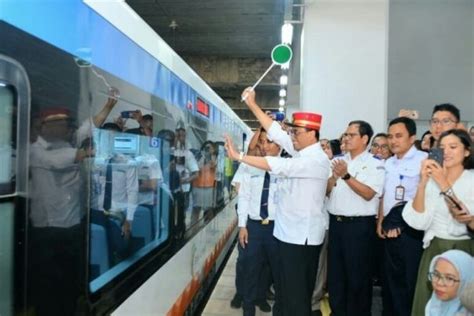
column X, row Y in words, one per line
column 344, row 62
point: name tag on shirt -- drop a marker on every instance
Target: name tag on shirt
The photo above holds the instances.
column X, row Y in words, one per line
column 399, row 193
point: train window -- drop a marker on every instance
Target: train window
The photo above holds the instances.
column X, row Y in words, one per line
column 129, row 202
column 7, row 139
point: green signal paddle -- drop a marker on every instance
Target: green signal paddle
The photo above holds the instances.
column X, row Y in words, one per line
column 281, row 54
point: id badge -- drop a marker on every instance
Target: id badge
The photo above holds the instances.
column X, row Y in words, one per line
column 400, row 193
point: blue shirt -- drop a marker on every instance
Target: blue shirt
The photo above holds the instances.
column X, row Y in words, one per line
column 405, row 172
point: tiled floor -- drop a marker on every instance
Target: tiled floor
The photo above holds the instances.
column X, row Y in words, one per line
column 219, row 302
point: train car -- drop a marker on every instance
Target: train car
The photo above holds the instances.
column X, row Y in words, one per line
column 115, row 193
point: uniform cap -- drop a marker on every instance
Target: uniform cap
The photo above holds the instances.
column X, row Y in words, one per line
column 307, row 120
column 54, row 114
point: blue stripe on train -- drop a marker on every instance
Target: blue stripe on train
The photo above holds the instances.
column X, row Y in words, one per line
column 75, row 28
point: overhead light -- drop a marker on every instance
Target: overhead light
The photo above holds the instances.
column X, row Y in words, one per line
column 282, row 102
column 287, row 33
column 281, row 109
column 284, row 80
column 282, row 93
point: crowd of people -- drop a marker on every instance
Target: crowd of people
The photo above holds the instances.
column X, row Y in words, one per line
column 330, row 218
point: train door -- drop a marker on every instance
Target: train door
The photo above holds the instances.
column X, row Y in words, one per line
column 14, row 122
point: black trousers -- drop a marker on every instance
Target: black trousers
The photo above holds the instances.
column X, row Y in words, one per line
column 260, row 252
column 298, row 270
column 118, row 245
column 56, row 269
column 401, row 260
column 350, row 250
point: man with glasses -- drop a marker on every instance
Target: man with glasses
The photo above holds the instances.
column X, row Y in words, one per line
column 301, row 186
column 402, row 244
column 445, row 116
column 354, row 190
column 379, row 147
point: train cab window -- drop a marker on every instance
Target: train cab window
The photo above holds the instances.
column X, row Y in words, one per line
column 7, row 139
column 129, row 202
column 7, row 186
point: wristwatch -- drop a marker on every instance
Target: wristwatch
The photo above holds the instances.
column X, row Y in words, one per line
column 347, row 176
column 448, row 192
column 241, row 156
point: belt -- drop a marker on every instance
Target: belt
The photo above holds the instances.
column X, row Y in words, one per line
column 265, row 221
column 351, row 219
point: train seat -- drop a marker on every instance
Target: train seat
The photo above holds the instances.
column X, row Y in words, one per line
column 99, row 255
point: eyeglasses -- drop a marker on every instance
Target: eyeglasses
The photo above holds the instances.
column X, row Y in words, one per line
column 349, row 135
column 446, row 280
column 443, row 122
column 295, row 132
column 377, row 146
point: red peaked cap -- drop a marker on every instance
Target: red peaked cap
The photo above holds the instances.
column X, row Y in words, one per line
column 307, row 120
column 54, row 114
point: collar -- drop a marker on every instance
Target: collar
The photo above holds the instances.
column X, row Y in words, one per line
column 409, row 154
column 362, row 156
column 310, row 148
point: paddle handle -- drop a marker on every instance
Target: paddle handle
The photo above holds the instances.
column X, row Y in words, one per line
column 258, row 81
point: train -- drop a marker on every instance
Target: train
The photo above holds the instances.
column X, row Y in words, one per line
column 115, row 188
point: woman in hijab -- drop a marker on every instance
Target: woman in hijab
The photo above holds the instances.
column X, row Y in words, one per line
column 449, row 274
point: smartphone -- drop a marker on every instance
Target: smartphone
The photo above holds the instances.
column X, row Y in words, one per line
column 126, row 114
column 436, row 154
column 453, row 201
column 413, row 114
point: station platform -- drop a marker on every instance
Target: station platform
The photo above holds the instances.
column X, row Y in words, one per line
column 219, row 301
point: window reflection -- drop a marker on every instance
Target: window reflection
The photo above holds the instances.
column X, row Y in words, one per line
column 204, row 194
column 129, row 200
column 56, row 214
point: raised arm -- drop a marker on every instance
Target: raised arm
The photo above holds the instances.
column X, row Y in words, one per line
column 257, row 162
column 100, row 117
column 249, row 96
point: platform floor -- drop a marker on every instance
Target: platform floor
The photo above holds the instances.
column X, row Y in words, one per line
column 219, row 302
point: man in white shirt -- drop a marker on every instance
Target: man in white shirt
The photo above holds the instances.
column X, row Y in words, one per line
column 402, row 247
column 150, row 178
column 256, row 215
column 355, row 187
column 299, row 219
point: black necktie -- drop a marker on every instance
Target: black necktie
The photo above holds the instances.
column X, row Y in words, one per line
column 108, row 187
column 264, row 197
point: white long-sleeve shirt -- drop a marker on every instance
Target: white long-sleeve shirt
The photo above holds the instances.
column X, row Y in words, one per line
column 404, row 172
column 124, row 185
column 301, row 188
column 436, row 220
column 250, row 193
column 55, row 184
